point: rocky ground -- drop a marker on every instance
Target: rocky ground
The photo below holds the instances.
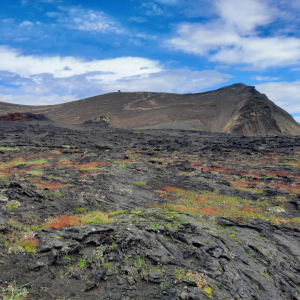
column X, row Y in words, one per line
column 88, row 212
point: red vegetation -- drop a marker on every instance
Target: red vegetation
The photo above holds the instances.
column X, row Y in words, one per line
column 287, row 187
column 7, row 172
column 224, row 170
column 248, row 209
column 87, row 174
column 22, row 116
column 32, row 242
column 210, row 210
column 199, row 199
column 136, row 151
column 89, row 165
column 170, row 188
column 51, row 186
column 255, row 174
column 278, row 173
column 12, row 117
column 196, row 166
column 244, row 173
column 63, row 221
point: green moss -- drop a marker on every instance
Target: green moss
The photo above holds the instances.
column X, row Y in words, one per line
column 36, row 172
column 21, row 161
column 107, row 265
column 82, row 262
column 56, row 194
column 80, row 210
column 11, row 206
column 208, row 291
column 112, row 247
column 138, row 183
column 9, row 148
column 115, row 213
column 96, row 217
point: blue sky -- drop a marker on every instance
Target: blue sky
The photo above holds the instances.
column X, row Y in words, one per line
column 54, row 51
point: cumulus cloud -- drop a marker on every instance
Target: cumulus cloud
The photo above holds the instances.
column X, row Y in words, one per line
column 284, row 94
column 13, row 61
column 235, row 37
column 152, row 9
column 244, row 16
column 26, row 24
column 51, row 80
column 265, row 78
column 179, row 81
column 86, row 20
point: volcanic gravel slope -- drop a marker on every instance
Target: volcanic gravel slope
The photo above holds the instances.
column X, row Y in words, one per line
column 101, row 213
column 237, row 109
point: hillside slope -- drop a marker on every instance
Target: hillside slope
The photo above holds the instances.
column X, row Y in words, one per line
column 237, row 109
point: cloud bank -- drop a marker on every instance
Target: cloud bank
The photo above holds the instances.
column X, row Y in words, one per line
column 239, row 34
column 49, row 80
column 284, row 94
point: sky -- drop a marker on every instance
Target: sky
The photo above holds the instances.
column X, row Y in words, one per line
column 55, row 51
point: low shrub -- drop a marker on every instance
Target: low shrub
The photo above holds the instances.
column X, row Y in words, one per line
column 115, row 213
column 13, row 292
column 29, row 244
column 63, row 221
column 96, row 217
column 138, row 183
column 80, row 210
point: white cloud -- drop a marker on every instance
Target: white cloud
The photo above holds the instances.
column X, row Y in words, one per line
column 26, row 24
column 297, row 119
column 257, row 51
column 50, row 80
column 12, row 61
column 179, row 81
column 86, row 20
column 284, row 94
column 234, row 37
column 196, row 38
column 295, row 4
column 168, row 2
column 265, row 78
column 138, row 19
column 36, row 99
column 244, row 15
column 152, row 9
column 222, row 67
column 10, row 20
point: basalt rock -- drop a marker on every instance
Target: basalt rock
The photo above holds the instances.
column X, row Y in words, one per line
column 155, row 186
column 12, row 117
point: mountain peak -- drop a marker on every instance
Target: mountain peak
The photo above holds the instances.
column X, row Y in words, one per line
column 237, row 109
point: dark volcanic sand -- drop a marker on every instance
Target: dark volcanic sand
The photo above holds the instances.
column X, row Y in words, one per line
column 230, row 229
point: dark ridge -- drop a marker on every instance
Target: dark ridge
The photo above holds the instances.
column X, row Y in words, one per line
column 12, row 117
column 237, row 109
